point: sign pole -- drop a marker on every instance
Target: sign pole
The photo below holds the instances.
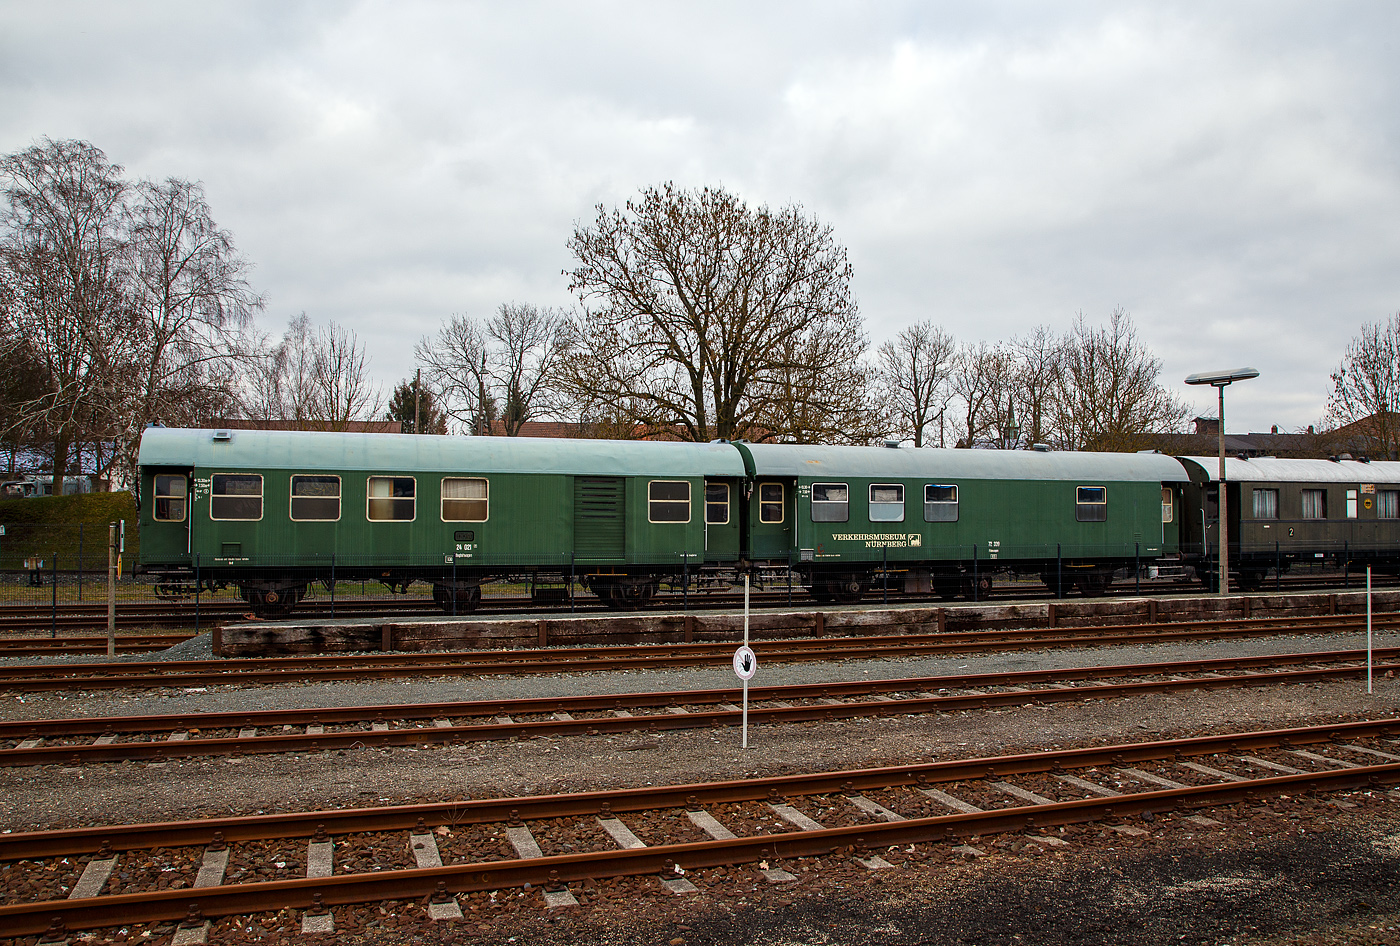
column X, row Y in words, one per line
column 1368, row 629
column 746, row 647
column 112, row 589
column 745, row 663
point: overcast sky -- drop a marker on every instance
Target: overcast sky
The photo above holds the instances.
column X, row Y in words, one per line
column 1228, row 173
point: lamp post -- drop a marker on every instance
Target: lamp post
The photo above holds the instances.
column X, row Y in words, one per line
column 1220, row 380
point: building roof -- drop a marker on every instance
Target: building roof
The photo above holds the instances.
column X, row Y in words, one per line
column 1290, row 470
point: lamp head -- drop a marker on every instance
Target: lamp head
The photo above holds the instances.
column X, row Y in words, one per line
column 1222, row 378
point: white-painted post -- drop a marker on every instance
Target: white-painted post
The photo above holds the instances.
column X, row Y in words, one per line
column 111, row 589
column 1368, row 628
column 745, row 644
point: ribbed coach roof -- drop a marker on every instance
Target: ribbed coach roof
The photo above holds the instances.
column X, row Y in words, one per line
column 1287, row 470
column 933, row 463
column 405, row 453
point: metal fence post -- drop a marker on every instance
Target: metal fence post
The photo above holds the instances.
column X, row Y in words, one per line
column 685, row 582
column 1137, row 568
column 974, row 571
column 1059, row 573
column 80, row 563
column 885, row 571
column 789, row 576
column 572, row 579
column 333, row 584
column 196, row 594
column 53, row 613
column 1278, row 568
column 1346, row 564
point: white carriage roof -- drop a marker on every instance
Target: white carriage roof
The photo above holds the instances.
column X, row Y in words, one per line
column 934, row 463
column 407, row 453
column 1288, row 470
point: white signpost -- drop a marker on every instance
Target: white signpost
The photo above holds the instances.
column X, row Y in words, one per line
column 745, row 663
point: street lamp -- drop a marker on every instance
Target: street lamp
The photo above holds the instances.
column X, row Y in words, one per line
column 1221, row 380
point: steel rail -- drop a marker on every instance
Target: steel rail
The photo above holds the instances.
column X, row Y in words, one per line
column 65, row 842
column 40, row 677
column 757, row 714
column 75, row 726
column 31, row 918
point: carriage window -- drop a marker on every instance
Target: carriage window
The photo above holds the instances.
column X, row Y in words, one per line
column 1388, row 504
column 236, row 496
column 1168, row 510
column 1266, row 504
column 770, row 502
column 887, row 503
column 1091, row 503
column 391, row 498
column 668, row 501
column 940, row 503
column 316, row 498
column 1351, row 504
column 170, row 499
column 717, row 504
column 830, row 502
column 1314, row 504
column 464, row 499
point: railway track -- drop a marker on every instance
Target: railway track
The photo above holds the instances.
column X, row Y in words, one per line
column 272, row 670
column 430, row 858
column 25, row 619
column 160, row 738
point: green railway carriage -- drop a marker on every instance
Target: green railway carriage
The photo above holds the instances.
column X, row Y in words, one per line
column 943, row 520
column 272, row 511
column 1286, row 511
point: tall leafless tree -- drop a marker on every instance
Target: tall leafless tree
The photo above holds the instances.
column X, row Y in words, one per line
column 1109, row 396
column 1366, row 389
column 914, row 372
column 980, row 387
column 698, row 311
column 315, row 379
column 1035, row 380
column 61, row 251
column 191, row 311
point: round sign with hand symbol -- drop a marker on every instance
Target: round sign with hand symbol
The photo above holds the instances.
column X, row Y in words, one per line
column 745, row 663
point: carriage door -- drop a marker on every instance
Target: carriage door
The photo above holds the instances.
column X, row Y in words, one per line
column 722, row 520
column 166, row 510
column 600, row 519
column 771, row 519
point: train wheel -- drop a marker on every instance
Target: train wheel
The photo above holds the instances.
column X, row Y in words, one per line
column 946, row 588
column 467, row 598
column 820, row 591
column 847, row 590
column 275, row 603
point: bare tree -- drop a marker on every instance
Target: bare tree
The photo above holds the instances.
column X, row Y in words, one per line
column 318, row 379
column 344, row 390
column 1035, row 380
column 980, row 385
column 505, row 371
column 61, row 253
column 914, row 371
column 191, row 311
column 530, row 345
column 1366, row 389
column 702, row 308
column 818, row 393
column 1108, row 396
column 459, row 363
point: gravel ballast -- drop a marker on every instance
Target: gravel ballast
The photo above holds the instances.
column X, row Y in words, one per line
column 1273, row 886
